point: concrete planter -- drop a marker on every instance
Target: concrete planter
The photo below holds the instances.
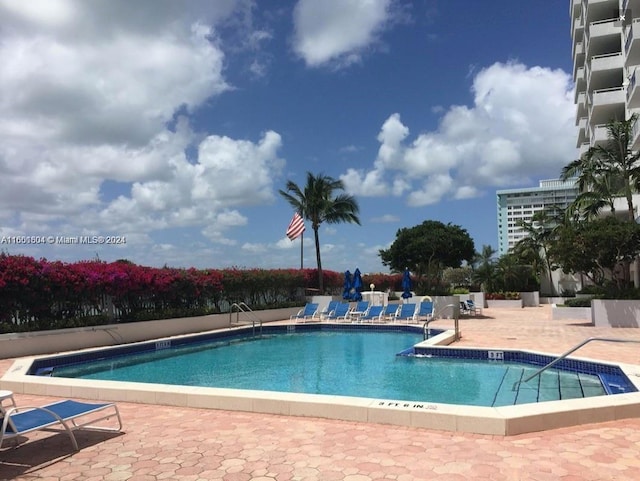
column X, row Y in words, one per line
column 561, row 313
column 441, row 305
column 530, row 299
column 554, row 300
column 615, row 313
column 502, row 303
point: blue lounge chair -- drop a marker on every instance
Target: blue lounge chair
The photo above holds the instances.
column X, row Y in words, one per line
column 329, row 309
column 58, row 416
column 389, row 312
column 406, row 312
column 359, row 310
column 464, row 308
column 471, row 307
column 373, row 314
column 341, row 312
column 307, row 312
column 425, row 311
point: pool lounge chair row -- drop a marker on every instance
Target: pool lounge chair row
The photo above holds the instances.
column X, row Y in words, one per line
column 364, row 312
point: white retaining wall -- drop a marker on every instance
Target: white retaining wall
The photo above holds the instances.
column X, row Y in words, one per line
column 615, row 313
column 47, row 342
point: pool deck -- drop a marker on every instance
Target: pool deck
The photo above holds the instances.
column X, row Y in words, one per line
column 162, row 442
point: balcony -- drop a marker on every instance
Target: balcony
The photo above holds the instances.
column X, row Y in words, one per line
column 633, row 90
column 606, row 104
column 605, row 71
column 599, row 135
column 582, row 109
column 578, row 27
column 583, row 149
column 578, row 57
column 587, row 75
column 581, row 84
column 635, row 135
column 582, row 132
column 603, row 36
column 632, row 43
column 630, row 6
column 574, row 7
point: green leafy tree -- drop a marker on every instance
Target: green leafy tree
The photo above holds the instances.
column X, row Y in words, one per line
column 597, row 247
column 458, row 276
column 427, row 249
column 319, row 202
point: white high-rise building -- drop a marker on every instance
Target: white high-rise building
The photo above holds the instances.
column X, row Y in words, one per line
column 606, row 54
column 605, row 38
column 521, row 204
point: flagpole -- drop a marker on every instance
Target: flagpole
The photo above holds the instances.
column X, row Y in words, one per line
column 301, row 246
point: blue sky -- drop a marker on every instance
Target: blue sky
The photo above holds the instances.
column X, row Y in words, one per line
column 174, row 123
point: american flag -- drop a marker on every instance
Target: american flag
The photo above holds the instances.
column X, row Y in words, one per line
column 296, row 227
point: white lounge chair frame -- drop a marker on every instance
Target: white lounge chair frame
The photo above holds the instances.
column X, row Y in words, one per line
column 54, row 417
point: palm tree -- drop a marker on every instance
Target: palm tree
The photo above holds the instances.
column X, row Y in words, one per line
column 607, row 171
column 484, row 268
column 513, row 275
column 317, row 203
column 533, row 249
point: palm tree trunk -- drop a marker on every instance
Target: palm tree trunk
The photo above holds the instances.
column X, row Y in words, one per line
column 319, row 262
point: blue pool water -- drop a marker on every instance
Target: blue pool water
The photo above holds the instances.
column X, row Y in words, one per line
column 350, row 363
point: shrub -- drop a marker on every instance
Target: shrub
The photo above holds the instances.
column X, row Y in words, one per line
column 592, row 289
column 460, row 290
column 502, row 296
column 578, row 302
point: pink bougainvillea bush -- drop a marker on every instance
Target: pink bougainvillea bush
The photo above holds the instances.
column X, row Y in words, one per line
column 38, row 294
column 41, row 294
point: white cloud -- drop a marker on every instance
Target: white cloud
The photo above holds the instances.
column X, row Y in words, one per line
column 337, row 30
column 350, row 149
column 520, row 128
column 386, row 218
column 254, row 248
column 101, row 92
column 370, row 184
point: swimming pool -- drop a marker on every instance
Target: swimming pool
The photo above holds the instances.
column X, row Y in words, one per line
column 505, row 420
column 359, row 362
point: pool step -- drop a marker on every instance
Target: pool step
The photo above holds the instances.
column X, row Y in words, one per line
column 549, row 386
column 614, row 383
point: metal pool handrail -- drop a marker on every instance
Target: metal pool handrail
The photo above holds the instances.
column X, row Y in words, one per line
column 242, row 307
column 456, row 310
column 573, row 349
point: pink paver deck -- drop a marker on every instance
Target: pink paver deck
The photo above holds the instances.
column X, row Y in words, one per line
column 169, row 443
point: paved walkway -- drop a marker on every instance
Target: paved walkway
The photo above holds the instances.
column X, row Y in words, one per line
column 192, row 444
